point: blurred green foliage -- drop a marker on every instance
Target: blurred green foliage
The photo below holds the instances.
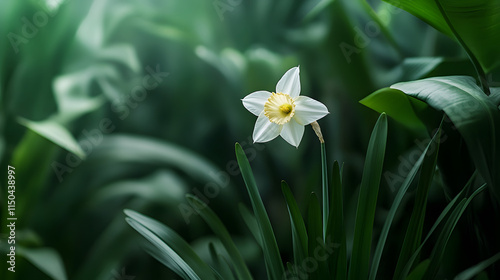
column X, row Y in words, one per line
column 107, row 105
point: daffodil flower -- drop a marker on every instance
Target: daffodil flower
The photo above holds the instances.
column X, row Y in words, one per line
column 283, row 112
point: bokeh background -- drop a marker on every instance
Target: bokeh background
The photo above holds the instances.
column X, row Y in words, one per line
column 108, row 104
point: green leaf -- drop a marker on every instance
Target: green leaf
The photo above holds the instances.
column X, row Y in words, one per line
column 169, row 248
column 365, row 214
column 336, row 228
column 467, row 18
column 220, row 230
column 414, row 230
column 478, row 268
column 456, row 212
column 419, row 271
column 299, row 233
column 397, row 105
column 45, row 259
column 271, row 251
column 55, row 132
column 220, row 263
column 251, row 223
column 474, row 114
column 316, row 244
column 428, row 160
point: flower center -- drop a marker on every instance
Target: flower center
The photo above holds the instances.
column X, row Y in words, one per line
column 279, row 108
column 286, row 108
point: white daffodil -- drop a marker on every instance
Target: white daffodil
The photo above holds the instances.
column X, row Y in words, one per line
column 283, row 112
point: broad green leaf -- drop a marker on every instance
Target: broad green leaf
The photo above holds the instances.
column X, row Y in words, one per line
column 335, row 227
column 396, row 105
column 299, row 233
column 367, row 201
column 220, row 230
column 169, row 248
column 45, row 259
column 418, row 67
column 147, row 151
column 474, row 115
column 478, row 268
column 428, row 161
column 271, row 251
column 477, row 23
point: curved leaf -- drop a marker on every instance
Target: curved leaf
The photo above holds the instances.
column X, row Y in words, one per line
column 466, row 18
column 473, row 113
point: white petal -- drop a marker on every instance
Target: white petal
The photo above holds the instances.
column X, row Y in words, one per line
column 254, row 102
column 308, row 110
column 265, row 130
column 290, row 83
column 292, row 132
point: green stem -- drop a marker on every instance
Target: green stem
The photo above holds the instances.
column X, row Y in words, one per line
column 324, row 182
column 477, row 66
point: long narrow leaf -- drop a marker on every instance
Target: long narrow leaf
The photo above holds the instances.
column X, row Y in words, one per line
column 317, row 252
column 478, row 268
column 169, row 248
column 414, row 231
column 299, row 233
column 360, row 259
column 271, row 251
column 440, row 246
column 336, row 228
column 429, row 158
column 220, row 230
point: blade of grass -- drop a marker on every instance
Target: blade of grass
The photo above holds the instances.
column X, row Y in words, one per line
column 271, row 251
column 440, row 246
column 413, row 235
column 478, row 268
column 220, row 263
column 220, row 230
column 441, row 217
column 419, row 271
column 316, row 244
column 169, row 248
column 365, row 214
column 335, row 227
column 251, row 223
column 299, row 233
column 428, row 161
